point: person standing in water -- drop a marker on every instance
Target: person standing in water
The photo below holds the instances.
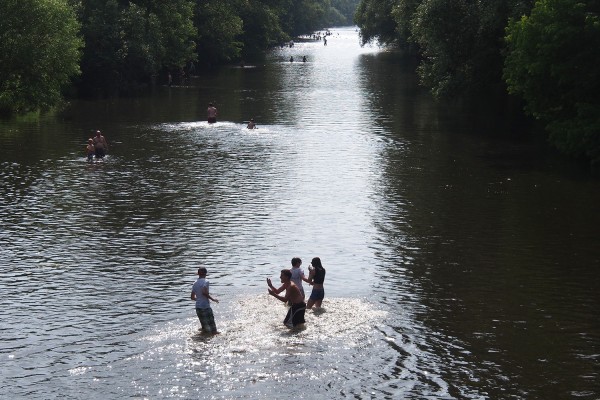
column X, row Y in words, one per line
column 212, row 113
column 316, row 277
column 100, row 145
column 298, row 274
column 90, row 150
column 200, row 294
column 295, row 314
column 251, row 124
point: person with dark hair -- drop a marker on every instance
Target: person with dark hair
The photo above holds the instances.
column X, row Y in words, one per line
column 90, row 150
column 200, row 294
column 100, row 145
column 316, row 277
column 295, row 314
column 211, row 113
column 298, row 274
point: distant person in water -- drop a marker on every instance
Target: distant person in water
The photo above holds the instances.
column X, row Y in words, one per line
column 251, row 124
column 304, row 59
column 90, row 150
column 291, row 58
column 100, row 145
column 200, row 294
column 212, row 113
column 293, row 296
column 316, row 277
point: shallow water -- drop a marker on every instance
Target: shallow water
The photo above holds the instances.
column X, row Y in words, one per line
column 462, row 261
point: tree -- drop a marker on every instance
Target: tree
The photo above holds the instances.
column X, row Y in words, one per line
column 552, row 62
column 39, row 53
column 128, row 42
column 219, row 26
column 261, row 28
column 374, row 18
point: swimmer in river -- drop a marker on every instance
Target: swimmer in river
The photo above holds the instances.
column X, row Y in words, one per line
column 251, row 124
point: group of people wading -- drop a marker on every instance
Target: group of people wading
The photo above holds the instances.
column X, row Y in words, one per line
column 291, row 282
column 96, row 147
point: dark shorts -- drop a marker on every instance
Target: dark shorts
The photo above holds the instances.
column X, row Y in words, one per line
column 207, row 319
column 212, row 120
column 100, row 153
column 317, row 294
column 295, row 315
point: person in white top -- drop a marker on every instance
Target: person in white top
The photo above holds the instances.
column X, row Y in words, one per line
column 201, row 295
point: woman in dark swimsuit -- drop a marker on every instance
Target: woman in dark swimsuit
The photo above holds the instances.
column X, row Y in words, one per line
column 317, row 277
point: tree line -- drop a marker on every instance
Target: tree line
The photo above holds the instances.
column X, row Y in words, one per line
column 49, row 48
column 547, row 52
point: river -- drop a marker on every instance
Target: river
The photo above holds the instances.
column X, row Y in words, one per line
column 462, row 254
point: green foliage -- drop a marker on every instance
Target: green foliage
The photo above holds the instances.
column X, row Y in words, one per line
column 129, row 42
column 461, row 43
column 261, row 28
column 304, row 16
column 552, row 62
column 374, row 18
column 39, row 53
column 219, row 25
column 341, row 12
column 447, row 34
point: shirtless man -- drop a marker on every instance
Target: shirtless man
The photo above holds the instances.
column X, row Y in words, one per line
column 100, row 145
column 212, row 113
column 251, row 124
column 293, row 296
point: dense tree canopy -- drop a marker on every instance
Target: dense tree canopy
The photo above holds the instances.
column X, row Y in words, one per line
column 39, row 53
column 127, row 43
column 121, row 45
column 553, row 62
column 460, row 42
column 549, row 58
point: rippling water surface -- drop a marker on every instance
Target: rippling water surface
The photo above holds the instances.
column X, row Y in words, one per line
column 462, row 261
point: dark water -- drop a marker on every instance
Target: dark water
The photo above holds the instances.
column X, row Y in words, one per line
column 462, row 256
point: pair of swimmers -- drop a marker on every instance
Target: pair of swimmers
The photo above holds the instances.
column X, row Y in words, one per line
column 212, row 113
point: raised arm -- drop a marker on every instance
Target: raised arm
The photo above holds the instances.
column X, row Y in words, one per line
column 278, row 290
column 311, row 277
column 282, row 298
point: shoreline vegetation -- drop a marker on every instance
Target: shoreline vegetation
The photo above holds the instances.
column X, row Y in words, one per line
column 543, row 52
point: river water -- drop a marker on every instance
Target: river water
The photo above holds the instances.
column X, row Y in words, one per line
column 462, row 255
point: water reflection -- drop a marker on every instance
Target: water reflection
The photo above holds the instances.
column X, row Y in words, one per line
column 460, row 265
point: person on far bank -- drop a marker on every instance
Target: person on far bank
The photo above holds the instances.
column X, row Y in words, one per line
column 100, row 145
column 201, row 294
column 251, row 124
column 211, row 113
column 316, row 277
